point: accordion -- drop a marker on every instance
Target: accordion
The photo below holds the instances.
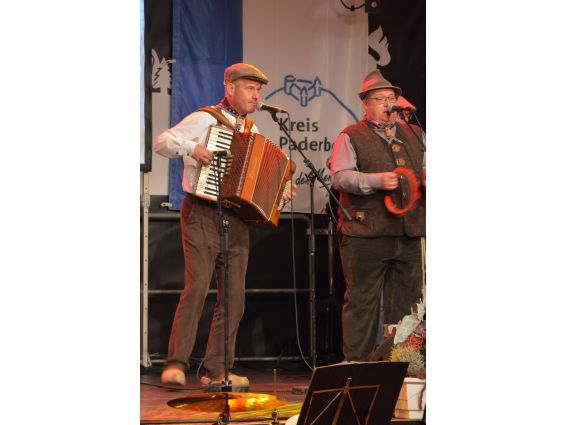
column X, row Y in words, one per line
column 252, row 179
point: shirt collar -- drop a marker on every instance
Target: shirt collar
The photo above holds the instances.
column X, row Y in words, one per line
column 382, row 129
column 225, row 104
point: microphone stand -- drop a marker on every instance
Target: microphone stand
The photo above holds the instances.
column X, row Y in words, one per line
column 421, row 140
column 422, row 132
column 412, row 110
column 223, row 238
column 313, row 174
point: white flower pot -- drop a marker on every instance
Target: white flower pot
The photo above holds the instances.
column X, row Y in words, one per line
column 411, row 400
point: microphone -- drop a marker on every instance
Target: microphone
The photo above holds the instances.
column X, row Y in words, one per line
column 222, row 154
column 392, row 107
column 261, row 106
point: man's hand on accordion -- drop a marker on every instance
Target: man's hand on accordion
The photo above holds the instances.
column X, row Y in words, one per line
column 289, row 193
column 202, row 155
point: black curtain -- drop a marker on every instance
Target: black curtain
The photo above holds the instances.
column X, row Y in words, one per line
column 403, row 24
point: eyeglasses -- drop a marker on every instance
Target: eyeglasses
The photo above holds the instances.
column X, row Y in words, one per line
column 389, row 99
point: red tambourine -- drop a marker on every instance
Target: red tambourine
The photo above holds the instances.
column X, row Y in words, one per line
column 414, row 192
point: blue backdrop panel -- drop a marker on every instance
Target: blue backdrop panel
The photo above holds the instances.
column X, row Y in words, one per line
column 207, row 37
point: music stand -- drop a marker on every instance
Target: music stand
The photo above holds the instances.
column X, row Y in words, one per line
column 383, row 352
column 353, row 393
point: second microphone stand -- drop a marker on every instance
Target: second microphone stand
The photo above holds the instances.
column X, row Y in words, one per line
column 313, row 175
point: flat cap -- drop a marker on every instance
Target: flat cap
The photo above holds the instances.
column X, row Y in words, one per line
column 374, row 80
column 244, row 70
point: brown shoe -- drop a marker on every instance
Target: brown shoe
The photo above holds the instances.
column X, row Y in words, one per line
column 173, row 375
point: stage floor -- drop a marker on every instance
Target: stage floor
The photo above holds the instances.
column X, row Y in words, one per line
column 290, row 380
column 289, row 377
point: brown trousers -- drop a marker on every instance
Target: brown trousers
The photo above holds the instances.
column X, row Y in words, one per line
column 201, row 247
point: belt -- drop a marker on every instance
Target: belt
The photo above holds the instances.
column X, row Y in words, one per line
column 206, row 202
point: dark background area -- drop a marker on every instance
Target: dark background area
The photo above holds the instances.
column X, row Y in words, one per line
column 268, row 328
column 404, row 23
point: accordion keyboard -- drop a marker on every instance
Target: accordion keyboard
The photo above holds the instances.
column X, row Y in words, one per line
column 219, row 139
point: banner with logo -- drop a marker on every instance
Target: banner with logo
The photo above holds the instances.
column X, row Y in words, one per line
column 315, row 54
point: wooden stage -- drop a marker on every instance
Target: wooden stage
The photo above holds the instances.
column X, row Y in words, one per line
column 154, row 396
column 291, row 382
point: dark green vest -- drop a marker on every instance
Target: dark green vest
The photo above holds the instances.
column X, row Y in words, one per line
column 374, row 155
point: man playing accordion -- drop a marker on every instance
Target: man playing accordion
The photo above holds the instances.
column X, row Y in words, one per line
column 199, row 228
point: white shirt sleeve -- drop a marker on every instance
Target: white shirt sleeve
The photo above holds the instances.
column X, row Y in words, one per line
column 182, row 139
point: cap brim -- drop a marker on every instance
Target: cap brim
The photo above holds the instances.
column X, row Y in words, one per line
column 251, row 77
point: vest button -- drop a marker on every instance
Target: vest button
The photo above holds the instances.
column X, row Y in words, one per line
column 395, row 148
column 400, row 161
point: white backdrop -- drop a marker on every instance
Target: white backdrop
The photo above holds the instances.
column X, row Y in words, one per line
column 315, row 53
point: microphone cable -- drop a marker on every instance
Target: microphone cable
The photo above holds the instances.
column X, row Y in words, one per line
column 293, row 263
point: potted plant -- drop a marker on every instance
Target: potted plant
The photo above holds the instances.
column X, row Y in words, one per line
column 409, row 346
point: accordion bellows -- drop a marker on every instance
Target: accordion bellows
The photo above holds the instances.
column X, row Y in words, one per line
column 255, row 181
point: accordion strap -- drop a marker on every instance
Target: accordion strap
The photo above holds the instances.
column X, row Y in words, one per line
column 248, row 123
column 215, row 112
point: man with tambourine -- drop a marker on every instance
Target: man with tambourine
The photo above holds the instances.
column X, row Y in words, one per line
column 377, row 165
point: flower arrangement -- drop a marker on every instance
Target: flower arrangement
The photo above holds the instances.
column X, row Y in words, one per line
column 409, row 342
